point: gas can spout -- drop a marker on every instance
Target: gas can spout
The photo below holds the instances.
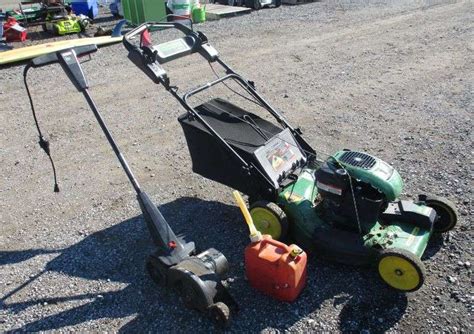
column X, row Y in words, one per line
column 255, row 235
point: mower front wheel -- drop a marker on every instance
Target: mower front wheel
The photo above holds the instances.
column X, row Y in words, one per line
column 220, row 313
column 447, row 216
column 269, row 219
column 401, row 269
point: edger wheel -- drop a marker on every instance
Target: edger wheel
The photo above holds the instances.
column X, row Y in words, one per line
column 447, row 216
column 189, row 294
column 269, row 219
column 401, row 269
column 220, row 313
column 156, row 270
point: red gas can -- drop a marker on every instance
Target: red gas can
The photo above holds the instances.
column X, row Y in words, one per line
column 276, row 269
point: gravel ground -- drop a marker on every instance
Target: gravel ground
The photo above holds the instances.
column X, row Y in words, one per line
column 394, row 79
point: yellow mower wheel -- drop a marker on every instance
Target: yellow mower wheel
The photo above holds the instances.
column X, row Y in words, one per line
column 269, row 219
column 401, row 269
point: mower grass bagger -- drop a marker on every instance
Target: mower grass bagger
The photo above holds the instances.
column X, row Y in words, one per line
column 175, row 263
column 345, row 208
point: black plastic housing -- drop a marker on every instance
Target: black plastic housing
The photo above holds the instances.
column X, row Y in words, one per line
column 332, row 182
column 200, row 274
column 214, row 161
column 344, row 205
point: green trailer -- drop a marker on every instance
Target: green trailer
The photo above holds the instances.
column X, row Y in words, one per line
column 30, row 14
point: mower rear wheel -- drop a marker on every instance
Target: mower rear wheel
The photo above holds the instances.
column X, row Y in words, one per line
column 269, row 219
column 447, row 216
column 220, row 313
column 401, row 269
column 156, row 270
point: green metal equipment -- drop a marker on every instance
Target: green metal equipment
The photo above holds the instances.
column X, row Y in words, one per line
column 140, row 11
column 31, row 14
column 64, row 25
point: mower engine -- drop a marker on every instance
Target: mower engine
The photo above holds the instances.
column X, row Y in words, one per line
column 355, row 188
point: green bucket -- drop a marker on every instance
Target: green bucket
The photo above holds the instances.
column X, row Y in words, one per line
column 199, row 14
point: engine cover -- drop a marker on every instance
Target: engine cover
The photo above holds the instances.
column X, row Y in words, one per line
column 372, row 170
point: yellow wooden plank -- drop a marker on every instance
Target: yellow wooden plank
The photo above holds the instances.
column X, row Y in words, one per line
column 29, row 52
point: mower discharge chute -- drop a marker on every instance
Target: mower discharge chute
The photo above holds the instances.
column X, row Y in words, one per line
column 345, row 208
column 175, row 263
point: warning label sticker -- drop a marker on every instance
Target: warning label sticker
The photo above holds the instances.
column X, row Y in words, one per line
column 279, row 155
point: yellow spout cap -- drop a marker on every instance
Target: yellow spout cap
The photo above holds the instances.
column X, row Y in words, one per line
column 254, row 234
column 295, row 251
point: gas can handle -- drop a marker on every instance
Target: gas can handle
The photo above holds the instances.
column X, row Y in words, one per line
column 276, row 243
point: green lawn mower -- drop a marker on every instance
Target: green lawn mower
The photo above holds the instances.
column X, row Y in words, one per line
column 345, row 208
column 63, row 25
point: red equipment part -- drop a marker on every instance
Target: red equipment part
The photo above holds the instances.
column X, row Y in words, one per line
column 13, row 32
column 275, row 268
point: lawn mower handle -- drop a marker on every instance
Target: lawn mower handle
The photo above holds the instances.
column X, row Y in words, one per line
column 138, row 30
column 51, row 58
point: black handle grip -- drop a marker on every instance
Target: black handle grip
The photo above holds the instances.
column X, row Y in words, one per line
column 45, row 60
column 52, row 57
column 85, row 50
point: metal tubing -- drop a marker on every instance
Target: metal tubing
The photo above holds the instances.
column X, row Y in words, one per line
column 207, row 126
column 275, row 113
column 208, row 85
column 245, row 85
column 112, row 143
column 250, row 89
